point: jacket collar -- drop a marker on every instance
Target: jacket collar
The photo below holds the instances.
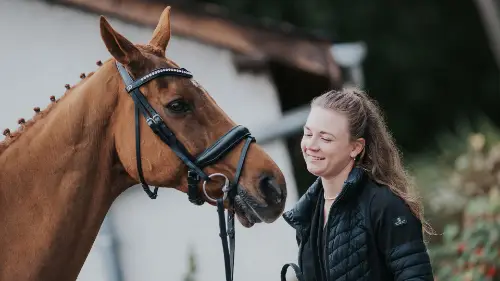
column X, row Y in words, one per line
column 299, row 217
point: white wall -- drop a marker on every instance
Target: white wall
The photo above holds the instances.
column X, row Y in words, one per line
column 44, row 47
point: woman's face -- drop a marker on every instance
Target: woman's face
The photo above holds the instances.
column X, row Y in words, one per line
column 326, row 144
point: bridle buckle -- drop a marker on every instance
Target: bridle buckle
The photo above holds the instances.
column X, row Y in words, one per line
column 155, row 119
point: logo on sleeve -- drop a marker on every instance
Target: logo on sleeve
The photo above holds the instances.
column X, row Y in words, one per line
column 399, row 221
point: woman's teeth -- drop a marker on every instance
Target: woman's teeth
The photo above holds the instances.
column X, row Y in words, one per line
column 316, row 158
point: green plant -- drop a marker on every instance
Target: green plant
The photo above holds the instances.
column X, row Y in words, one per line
column 471, row 250
column 466, row 184
column 465, row 165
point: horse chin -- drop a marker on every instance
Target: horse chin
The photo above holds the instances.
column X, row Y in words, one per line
column 244, row 220
column 245, row 213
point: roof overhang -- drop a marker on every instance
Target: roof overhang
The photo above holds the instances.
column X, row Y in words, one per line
column 250, row 42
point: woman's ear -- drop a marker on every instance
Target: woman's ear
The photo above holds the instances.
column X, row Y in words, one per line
column 358, row 147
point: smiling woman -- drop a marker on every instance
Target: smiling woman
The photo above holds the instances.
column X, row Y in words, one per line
column 359, row 220
column 326, row 136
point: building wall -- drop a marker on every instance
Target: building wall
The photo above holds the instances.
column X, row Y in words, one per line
column 44, row 47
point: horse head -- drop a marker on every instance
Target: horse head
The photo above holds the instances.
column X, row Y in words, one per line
column 195, row 126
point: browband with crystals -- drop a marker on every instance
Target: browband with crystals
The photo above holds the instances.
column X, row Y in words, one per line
column 156, row 73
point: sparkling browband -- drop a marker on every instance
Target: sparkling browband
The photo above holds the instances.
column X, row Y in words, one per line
column 159, row 72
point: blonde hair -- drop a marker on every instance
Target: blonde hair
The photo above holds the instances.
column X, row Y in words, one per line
column 380, row 156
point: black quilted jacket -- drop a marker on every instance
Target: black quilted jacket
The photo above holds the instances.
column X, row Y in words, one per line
column 371, row 235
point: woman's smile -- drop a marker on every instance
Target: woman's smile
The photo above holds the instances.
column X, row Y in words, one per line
column 313, row 158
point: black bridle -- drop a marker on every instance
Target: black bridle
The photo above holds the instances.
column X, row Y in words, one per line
column 195, row 164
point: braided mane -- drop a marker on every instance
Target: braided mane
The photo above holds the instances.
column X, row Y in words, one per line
column 24, row 125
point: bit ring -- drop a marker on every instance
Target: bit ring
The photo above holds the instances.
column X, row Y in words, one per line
column 225, row 187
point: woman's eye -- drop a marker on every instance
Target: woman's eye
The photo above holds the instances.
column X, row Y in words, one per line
column 326, row 140
column 178, row 106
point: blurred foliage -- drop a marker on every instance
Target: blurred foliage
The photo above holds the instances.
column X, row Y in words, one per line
column 461, row 188
column 466, row 165
column 428, row 62
column 471, row 251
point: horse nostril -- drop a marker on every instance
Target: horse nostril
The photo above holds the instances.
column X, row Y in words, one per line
column 270, row 189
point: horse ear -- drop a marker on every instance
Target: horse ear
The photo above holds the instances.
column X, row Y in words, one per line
column 161, row 35
column 118, row 46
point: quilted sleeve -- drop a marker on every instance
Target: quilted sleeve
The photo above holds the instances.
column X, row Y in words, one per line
column 399, row 237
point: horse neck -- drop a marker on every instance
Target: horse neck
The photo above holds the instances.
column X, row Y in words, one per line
column 55, row 184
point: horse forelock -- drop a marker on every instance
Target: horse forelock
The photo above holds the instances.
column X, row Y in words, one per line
column 152, row 49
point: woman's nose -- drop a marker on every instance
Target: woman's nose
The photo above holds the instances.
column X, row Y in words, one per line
column 312, row 145
column 312, row 148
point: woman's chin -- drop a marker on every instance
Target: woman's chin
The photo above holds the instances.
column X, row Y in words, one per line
column 315, row 170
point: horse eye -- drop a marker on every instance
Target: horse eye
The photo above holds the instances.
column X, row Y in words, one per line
column 178, row 106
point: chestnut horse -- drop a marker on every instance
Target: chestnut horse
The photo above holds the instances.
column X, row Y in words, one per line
column 61, row 171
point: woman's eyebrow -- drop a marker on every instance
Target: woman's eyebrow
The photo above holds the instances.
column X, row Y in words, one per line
column 321, row 132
